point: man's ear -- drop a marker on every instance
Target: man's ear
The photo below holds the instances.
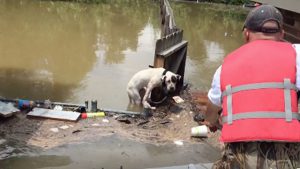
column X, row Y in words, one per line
column 246, row 34
column 282, row 34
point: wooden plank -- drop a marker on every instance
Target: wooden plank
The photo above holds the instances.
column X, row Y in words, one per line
column 54, row 114
column 173, row 49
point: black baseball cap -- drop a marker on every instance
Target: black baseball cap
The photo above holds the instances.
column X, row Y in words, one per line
column 258, row 16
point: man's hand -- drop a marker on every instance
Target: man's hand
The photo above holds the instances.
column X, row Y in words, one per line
column 212, row 128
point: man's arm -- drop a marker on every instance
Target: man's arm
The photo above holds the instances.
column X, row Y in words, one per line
column 212, row 114
column 297, row 49
column 214, row 100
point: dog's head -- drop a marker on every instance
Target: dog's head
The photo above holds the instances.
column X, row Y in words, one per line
column 169, row 80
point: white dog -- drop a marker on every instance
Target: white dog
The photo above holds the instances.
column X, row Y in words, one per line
column 148, row 79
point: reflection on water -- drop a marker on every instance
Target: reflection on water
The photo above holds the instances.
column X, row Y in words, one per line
column 72, row 52
column 212, row 32
column 75, row 52
column 35, row 162
column 113, row 152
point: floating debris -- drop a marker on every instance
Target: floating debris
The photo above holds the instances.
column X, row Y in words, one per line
column 57, row 107
column 64, row 127
column 105, row 121
column 178, row 142
column 178, row 99
column 7, row 109
column 76, row 131
column 95, row 124
column 55, row 130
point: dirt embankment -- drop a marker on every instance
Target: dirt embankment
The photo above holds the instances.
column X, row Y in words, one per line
column 170, row 122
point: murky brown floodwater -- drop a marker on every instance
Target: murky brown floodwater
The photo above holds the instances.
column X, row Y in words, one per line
column 72, row 52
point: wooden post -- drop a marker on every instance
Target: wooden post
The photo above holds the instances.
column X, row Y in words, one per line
column 170, row 49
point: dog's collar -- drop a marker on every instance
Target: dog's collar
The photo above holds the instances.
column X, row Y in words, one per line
column 165, row 72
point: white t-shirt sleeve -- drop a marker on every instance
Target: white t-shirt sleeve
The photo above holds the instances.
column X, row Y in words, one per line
column 297, row 48
column 214, row 93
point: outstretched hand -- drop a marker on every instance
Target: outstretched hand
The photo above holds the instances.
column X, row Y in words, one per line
column 212, row 128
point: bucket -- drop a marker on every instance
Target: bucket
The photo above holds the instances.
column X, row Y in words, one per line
column 200, row 131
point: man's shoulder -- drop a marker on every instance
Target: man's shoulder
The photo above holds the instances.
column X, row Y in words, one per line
column 296, row 46
column 297, row 49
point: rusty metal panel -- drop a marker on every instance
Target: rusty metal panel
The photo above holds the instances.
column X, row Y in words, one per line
column 173, row 60
column 170, row 50
column 165, row 45
column 168, row 41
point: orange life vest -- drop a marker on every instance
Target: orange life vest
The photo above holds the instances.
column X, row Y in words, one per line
column 259, row 96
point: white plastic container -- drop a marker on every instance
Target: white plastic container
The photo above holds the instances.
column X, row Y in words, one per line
column 200, row 131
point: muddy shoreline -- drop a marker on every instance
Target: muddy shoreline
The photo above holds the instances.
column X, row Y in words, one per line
column 171, row 122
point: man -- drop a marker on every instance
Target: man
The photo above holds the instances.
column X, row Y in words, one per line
column 256, row 88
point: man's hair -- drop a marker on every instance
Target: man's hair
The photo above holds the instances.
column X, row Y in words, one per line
column 258, row 16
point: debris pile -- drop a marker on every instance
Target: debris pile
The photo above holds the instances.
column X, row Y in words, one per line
column 170, row 122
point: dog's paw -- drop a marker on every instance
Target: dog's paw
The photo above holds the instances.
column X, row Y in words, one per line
column 148, row 106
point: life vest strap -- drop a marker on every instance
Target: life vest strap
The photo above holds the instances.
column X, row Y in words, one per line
column 229, row 104
column 253, row 86
column 261, row 115
column 287, row 100
column 287, row 86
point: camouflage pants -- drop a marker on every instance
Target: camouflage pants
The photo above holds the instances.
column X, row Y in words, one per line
column 260, row 155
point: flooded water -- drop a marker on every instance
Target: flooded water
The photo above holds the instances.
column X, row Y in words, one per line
column 112, row 153
column 72, row 52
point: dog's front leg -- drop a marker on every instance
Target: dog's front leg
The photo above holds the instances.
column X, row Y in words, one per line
column 146, row 96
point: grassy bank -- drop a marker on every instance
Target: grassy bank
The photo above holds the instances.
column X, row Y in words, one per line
column 233, row 2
